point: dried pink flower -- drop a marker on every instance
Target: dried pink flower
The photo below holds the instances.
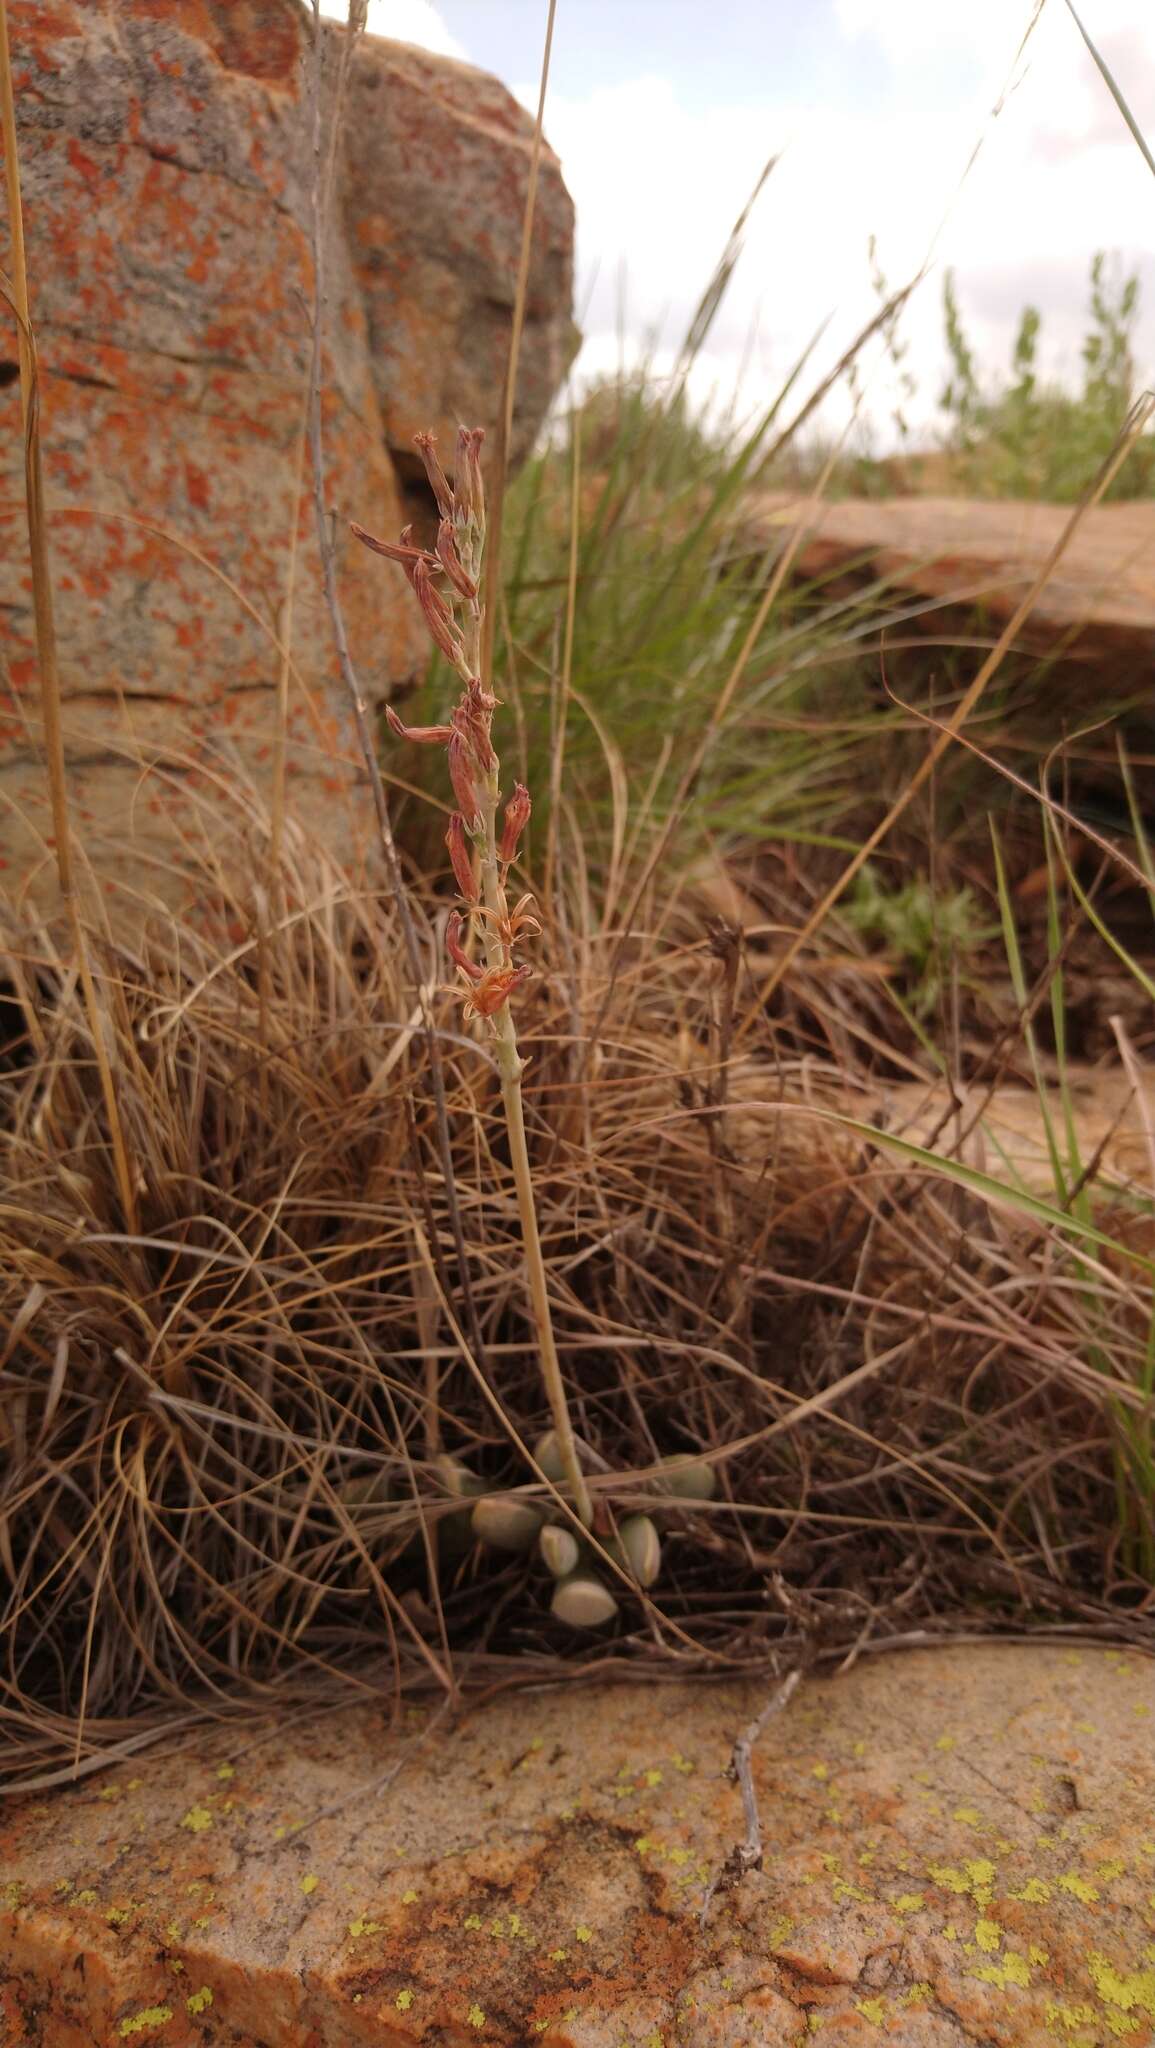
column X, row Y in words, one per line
column 461, row 765
column 514, row 822
column 494, row 988
column 451, row 562
column 425, row 735
column 426, row 446
column 438, row 616
column 460, row 861
column 453, row 947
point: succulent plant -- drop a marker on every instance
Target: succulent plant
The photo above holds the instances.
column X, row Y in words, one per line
column 689, row 1478
column 558, row 1550
column 503, row 1523
column 583, row 1602
column 638, row 1548
column 547, row 1454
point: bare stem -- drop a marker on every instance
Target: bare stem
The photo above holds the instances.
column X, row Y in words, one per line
column 349, row 677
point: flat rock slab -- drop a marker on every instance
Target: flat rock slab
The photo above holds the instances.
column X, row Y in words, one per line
column 960, row 1847
column 1099, row 605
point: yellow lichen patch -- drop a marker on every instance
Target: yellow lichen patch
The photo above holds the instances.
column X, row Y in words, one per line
column 842, row 1890
column 1039, row 1956
column 199, row 2001
column 197, row 1819
column 820, row 1771
column 1012, row 1970
column 681, row 1763
column 1078, row 1888
column 917, row 1994
column 969, row 1816
column 225, row 1772
column 948, row 1879
column 981, row 1872
column 874, row 2010
column 1126, row 1993
column 109, row 1792
column 362, row 1926
column 909, row 1902
column 409, row 1898
column 85, row 1898
column 652, row 1779
column 1110, row 1870
column 1066, row 2019
column 118, row 1916
column 1033, row 1893
column 947, row 1742
column 476, row 2016
column 309, row 1883
column 988, row 1935
column 558, row 1955
column 404, row 2000
column 583, row 1933
column 472, row 1921
column 144, row 2022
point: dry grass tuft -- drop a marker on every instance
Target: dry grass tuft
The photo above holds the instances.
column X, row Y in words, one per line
column 222, row 1429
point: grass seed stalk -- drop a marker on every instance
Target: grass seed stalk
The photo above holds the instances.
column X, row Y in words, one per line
column 447, row 583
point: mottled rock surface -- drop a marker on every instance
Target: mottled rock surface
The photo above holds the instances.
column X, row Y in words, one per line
column 167, row 178
column 960, row 1847
column 1099, row 606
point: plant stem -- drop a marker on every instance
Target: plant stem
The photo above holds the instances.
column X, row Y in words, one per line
column 494, row 925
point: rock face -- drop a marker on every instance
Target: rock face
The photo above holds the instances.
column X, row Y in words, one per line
column 958, row 1848
column 165, row 153
column 1099, row 605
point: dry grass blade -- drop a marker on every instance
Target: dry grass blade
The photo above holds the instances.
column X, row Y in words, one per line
column 16, row 293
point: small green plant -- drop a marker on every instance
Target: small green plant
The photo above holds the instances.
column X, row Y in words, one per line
column 1035, row 440
column 925, row 931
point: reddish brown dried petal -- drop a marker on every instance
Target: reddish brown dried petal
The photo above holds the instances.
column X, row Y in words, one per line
column 516, row 819
column 454, row 949
column 468, row 490
column 438, row 616
column 425, row 735
column 459, row 856
column 451, row 562
column 461, row 776
column 494, row 989
column 426, row 447
column 394, row 551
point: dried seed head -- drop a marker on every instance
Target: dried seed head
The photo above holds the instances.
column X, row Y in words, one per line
column 515, row 820
column 639, row 1548
column 558, row 1550
column 505, row 1524
column 583, row 1602
column 460, row 858
column 426, row 446
column 689, row 1478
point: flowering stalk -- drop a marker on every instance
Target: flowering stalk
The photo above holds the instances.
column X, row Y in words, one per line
column 446, row 584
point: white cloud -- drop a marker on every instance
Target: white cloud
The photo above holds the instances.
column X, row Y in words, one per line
column 657, row 184
column 404, row 21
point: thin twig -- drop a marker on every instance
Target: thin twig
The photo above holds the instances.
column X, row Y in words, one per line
column 327, row 546
column 747, row 1855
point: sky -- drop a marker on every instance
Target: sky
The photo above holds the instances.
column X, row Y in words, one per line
column 664, row 111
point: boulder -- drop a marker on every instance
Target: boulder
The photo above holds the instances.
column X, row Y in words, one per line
column 981, row 557
column 166, row 160
column 957, row 1847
